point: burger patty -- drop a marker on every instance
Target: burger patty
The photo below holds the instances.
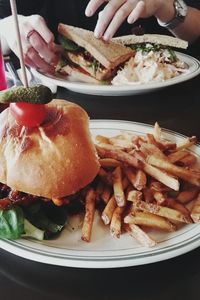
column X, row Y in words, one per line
column 9, row 197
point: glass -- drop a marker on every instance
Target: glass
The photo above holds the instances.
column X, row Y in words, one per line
column 3, row 84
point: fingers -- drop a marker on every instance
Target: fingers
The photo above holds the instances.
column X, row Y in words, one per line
column 119, row 17
column 92, row 7
column 42, row 48
column 39, row 25
column 114, row 14
column 111, row 10
column 37, row 41
column 33, row 59
column 136, row 13
column 38, row 44
column 29, row 62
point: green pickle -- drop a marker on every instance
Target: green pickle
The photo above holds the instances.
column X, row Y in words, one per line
column 39, row 94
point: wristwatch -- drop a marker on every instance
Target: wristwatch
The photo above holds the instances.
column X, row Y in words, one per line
column 180, row 8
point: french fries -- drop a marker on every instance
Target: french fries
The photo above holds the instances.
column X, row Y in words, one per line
column 195, row 214
column 89, row 215
column 109, row 163
column 144, row 183
column 188, row 160
column 118, row 187
column 105, row 196
column 150, row 220
column 159, row 197
column 116, row 222
column 185, row 144
column 162, row 211
column 180, row 172
column 162, row 177
column 110, row 151
column 109, row 210
column 140, row 235
column 177, row 156
column 188, row 195
column 134, row 196
column 138, row 178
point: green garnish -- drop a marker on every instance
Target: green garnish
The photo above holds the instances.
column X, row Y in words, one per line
column 95, row 65
column 67, row 44
column 148, row 47
column 173, row 56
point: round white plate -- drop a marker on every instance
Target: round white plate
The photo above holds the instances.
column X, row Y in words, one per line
column 111, row 90
column 104, row 251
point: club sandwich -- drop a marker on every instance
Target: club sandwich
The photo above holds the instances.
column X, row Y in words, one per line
column 87, row 58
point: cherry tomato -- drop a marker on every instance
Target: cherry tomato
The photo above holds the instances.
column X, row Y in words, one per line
column 27, row 114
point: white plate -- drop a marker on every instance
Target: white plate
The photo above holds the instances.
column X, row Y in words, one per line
column 111, row 90
column 104, row 251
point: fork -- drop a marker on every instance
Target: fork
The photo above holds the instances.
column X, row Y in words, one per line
column 13, row 73
column 31, row 78
column 15, row 77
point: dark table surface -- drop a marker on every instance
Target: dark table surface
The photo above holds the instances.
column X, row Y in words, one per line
column 176, row 108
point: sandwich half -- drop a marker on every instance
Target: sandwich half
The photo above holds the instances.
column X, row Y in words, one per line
column 88, row 58
column 155, row 39
column 154, row 59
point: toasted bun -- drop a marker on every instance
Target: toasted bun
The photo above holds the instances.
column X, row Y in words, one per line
column 164, row 40
column 54, row 160
column 109, row 54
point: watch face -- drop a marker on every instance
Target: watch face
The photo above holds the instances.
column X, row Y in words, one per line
column 181, row 8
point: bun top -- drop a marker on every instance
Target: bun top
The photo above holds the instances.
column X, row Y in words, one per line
column 109, row 54
column 164, row 40
column 54, row 160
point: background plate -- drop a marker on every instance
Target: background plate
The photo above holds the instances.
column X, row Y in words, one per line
column 104, row 251
column 111, row 90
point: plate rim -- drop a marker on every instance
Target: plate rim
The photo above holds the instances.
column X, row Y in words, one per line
column 109, row 90
column 152, row 255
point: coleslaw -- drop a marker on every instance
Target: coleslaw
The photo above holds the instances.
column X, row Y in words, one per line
column 150, row 63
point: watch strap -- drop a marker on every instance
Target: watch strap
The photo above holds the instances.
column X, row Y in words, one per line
column 174, row 22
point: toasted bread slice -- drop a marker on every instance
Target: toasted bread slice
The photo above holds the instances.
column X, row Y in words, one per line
column 109, row 54
column 164, row 40
column 79, row 76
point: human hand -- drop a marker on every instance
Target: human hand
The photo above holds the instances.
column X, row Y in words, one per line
column 37, row 41
column 116, row 11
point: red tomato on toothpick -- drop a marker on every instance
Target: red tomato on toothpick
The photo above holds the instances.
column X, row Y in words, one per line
column 27, row 114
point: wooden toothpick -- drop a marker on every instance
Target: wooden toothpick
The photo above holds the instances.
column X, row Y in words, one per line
column 19, row 42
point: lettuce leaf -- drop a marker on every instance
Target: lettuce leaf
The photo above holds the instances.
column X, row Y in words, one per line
column 11, row 223
column 67, row 44
column 39, row 220
column 47, row 217
column 32, row 231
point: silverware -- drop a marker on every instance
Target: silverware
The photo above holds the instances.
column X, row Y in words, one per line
column 15, row 76
column 13, row 73
column 31, row 78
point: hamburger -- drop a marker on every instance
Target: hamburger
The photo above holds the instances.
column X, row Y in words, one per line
column 41, row 167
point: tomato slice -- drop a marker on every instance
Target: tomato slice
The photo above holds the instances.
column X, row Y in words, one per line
column 27, row 114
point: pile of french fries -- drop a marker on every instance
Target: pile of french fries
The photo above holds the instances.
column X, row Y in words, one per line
column 145, row 182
